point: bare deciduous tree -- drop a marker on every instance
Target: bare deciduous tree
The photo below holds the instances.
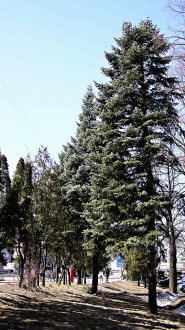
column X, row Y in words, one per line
column 177, row 8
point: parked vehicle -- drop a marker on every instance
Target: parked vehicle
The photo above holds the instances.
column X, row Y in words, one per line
column 164, row 282
column 181, row 287
column 181, row 280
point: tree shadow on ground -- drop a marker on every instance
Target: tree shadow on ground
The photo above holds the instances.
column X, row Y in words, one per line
column 107, row 310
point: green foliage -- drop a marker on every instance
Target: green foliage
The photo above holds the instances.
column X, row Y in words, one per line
column 137, row 260
column 137, row 114
column 135, row 108
column 5, row 193
column 75, row 167
column 5, row 182
column 106, row 188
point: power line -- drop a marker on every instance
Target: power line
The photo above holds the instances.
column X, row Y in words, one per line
column 16, row 106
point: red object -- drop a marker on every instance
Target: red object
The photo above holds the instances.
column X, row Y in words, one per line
column 71, row 274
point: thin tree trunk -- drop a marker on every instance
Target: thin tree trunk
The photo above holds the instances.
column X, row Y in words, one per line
column 21, row 274
column 152, row 281
column 172, row 239
column 38, row 281
column 85, row 279
column 79, row 276
column 58, row 266
column 44, row 272
column 152, row 300
column 22, row 261
column 95, row 274
column 68, row 273
column 138, row 279
column 64, row 276
column 145, row 280
column 173, row 260
column 44, row 278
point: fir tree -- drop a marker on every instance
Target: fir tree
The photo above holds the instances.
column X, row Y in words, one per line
column 76, row 173
column 5, row 182
column 5, row 207
column 136, row 106
column 22, row 201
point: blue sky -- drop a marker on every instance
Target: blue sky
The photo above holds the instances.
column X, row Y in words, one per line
column 51, row 50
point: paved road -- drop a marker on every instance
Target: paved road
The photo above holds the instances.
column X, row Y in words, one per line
column 13, row 278
column 114, row 277
column 8, row 278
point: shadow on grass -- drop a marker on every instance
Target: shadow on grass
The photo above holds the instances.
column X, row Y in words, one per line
column 104, row 311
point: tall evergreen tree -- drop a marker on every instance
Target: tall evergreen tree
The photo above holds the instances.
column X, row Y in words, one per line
column 5, row 218
column 86, row 131
column 136, row 106
column 58, row 228
column 23, row 215
column 76, row 173
column 5, row 182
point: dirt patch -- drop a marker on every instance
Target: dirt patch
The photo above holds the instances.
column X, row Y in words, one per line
column 118, row 305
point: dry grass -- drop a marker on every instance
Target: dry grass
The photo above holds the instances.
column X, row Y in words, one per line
column 118, row 305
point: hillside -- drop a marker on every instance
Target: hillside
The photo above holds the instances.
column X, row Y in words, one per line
column 118, row 305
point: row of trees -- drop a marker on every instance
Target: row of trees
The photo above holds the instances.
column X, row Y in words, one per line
column 117, row 186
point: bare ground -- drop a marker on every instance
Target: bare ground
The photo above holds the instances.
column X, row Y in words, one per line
column 117, row 306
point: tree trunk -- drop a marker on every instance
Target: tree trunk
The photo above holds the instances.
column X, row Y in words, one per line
column 79, row 276
column 58, row 273
column 173, row 259
column 44, row 278
column 152, row 300
column 44, row 272
column 38, row 281
column 64, row 275
column 85, row 279
column 21, row 274
column 95, row 274
column 68, row 275
column 152, row 255
column 138, row 279
column 145, row 280
column 21, row 266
